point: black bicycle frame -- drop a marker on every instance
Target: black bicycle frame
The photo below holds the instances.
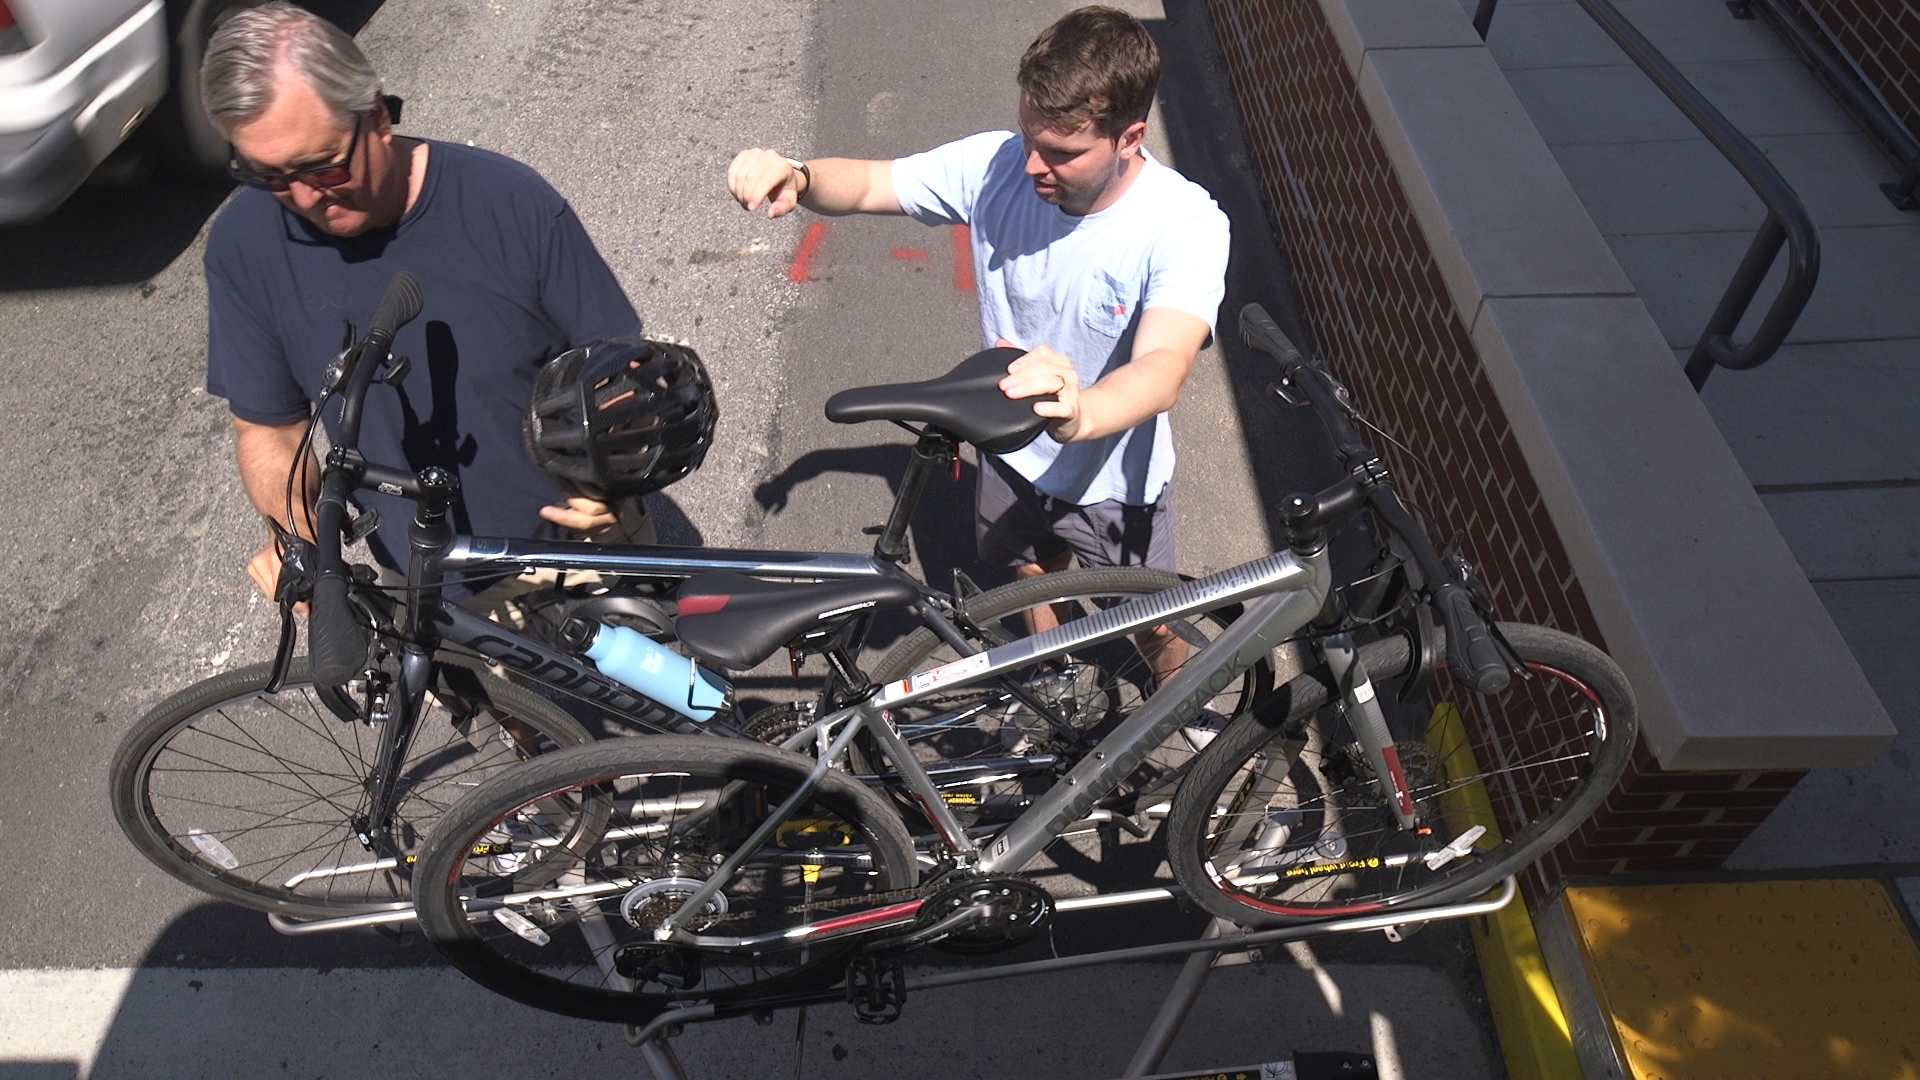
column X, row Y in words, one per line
column 425, row 621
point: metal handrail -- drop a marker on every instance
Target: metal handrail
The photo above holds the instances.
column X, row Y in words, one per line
column 1787, row 220
column 1844, row 75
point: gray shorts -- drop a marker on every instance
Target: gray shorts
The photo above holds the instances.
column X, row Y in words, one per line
column 1014, row 524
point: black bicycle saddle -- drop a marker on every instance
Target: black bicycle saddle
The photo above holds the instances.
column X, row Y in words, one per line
column 965, row 402
column 734, row 622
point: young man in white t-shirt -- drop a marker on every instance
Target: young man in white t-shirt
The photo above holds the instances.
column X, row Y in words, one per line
column 1105, row 265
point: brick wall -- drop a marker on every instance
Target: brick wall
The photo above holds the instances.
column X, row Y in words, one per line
column 1675, row 821
column 1882, row 37
column 1379, row 313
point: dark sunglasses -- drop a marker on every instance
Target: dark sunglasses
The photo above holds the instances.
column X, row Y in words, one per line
column 330, row 175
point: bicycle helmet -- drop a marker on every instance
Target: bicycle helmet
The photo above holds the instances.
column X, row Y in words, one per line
column 622, row 417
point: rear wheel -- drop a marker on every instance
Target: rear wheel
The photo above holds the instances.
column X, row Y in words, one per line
column 259, row 798
column 992, row 752
column 585, row 945
column 1280, row 820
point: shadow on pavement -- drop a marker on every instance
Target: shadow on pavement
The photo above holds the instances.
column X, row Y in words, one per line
column 217, row 935
column 671, row 524
column 220, row 994
column 1202, row 120
column 942, row 528
column 113, row 231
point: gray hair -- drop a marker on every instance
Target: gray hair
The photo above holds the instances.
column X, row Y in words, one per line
column 237, row 76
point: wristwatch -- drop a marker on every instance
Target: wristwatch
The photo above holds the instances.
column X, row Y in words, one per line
column 805, row 173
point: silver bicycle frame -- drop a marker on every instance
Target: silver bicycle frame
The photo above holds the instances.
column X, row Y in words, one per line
column 1282, row 593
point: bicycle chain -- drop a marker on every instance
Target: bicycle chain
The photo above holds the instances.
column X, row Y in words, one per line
column 879, row 899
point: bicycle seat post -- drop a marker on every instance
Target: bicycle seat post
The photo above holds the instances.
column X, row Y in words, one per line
column 934, row 447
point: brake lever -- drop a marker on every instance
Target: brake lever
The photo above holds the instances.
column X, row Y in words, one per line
column 294, row 587
column 1514, row 663
column 1464, row 572
column 1288, row 394
column 283, row 654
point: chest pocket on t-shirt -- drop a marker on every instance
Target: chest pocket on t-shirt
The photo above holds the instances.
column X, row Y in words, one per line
column 1108, row 307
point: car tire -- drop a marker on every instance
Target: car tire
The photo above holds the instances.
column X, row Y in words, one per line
column 185, row 136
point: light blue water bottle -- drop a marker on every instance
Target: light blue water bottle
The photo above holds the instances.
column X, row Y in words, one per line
column 626, row 654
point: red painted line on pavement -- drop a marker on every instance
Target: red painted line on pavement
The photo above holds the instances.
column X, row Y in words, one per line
column 809, row 244
column 963, row 258
column 910, row 254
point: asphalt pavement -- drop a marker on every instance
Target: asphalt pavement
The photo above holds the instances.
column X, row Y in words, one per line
column 121, row 579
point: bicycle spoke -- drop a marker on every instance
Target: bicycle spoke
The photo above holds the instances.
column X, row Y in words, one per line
column 263, row 798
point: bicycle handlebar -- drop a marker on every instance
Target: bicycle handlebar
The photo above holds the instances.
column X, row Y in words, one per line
column 398, row 307
column 1474, row 658
column 339, row 642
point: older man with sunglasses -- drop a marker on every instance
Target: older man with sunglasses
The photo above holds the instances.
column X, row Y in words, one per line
column 338, row 205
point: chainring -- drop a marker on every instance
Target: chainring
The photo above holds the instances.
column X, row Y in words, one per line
column 1015, row 911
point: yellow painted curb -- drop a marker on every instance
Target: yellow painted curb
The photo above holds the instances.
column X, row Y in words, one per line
column 1534, row 1036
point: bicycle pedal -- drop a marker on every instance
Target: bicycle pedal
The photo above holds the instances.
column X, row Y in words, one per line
column 877, row 989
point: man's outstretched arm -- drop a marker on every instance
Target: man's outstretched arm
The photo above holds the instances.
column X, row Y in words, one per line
column 831, row 186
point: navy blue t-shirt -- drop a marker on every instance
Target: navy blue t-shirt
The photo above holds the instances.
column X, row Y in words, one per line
column 510, row 280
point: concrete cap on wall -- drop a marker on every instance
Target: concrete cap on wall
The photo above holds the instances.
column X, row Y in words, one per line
column 1735, row 661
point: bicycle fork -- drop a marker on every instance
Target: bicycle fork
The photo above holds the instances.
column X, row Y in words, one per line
column 1266, row 833
column 404, row 705
column 1369, row 724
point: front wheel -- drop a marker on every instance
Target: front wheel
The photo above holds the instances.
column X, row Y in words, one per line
column 260, row 799
column 1280, row 820
column 584, row 946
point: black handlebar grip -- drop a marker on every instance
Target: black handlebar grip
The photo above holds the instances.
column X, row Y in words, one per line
column 339, row 641
column 1259, row 331
column 1474, row 659
column 397, row 308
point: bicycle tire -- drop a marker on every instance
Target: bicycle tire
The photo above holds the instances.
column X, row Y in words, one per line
column 634, row 880
column 1095, row 688
column 1290, row 773
column 251, row 797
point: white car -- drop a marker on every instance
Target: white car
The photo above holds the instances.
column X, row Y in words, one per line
column 78, row 76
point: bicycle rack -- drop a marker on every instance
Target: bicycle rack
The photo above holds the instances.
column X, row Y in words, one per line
column 657, row 1051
